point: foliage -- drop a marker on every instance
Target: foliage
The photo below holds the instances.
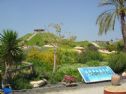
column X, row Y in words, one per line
column 66, row 69
column 111, row 47
column 40, row 68
column 67, row 56
column 90, row 55
column 106, row 21
column 106, row 57
column 66, row 43
column 118, row 62
column 21, row 83
column 39, row 39
column 11, row 53
column 10, row 50
column 119, row 45
column 43, row 56
column 92, row 47
column 93, row 63
column 63, row 56
column 82, row 43
column 25, row 37
column 102, row 44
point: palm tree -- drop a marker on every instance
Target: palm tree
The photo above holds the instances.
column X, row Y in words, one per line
column 10, row 52
column 106, row 21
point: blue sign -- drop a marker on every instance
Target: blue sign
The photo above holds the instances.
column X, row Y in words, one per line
column 96, row 74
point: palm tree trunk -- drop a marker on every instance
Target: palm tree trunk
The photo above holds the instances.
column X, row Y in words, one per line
column 123, row 29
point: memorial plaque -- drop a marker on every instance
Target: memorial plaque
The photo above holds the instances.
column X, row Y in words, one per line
column 96, row 74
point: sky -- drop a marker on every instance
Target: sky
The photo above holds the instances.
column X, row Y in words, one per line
column 76, row 16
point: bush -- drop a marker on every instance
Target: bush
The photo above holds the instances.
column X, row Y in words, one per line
column 21, row 83
column 67, row 56
column 90, row 55
column 66, row 69
column 93, row 63
column 41, row 68
column 119, row 46
column 111, row 47
column 44, row 56
column 118, row 62
column 106, row 57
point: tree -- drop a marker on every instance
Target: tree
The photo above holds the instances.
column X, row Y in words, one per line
column 106, row 21
column 55, row 42
column 10, row 52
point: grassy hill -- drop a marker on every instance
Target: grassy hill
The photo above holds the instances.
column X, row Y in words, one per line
column 41, row 39
column 25, row 37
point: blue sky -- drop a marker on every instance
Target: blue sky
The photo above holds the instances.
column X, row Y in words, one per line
column 77, row 16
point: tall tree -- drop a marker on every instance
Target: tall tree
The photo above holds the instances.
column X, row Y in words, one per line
column 10, row 52
column 106, row 21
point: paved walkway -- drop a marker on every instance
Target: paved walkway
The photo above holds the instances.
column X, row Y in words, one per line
column 96, row 88
column 93, row 90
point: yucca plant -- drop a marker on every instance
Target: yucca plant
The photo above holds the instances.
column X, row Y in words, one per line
column 10, row 52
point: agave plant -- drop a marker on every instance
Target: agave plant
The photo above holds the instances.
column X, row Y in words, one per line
column 10, row 52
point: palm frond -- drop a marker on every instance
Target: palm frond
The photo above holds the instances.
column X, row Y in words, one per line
column 105, row 22
column 9, row 46
column 102, row 14
column 108, row 2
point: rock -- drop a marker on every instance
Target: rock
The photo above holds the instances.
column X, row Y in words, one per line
column 69, row 84
column 38, row 83
column 116, row 79
column 124, row 75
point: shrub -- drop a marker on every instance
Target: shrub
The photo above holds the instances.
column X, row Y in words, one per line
column 44, row 56
column 66, row 69
column 41, row 68
column 93, row 63
column 111, row 47
column 120, row 46
column 90, row 55
column 118, row 62
column 47, row 57
column 67, row 56
column 106, row 57
column 32, row 54
column 21, row 83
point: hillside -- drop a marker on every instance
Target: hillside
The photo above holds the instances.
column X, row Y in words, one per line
column 39, row 39
column 25, row 37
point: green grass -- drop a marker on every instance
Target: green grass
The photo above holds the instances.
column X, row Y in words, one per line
column 25, row 37
column 82, row 43
column 39, row 39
